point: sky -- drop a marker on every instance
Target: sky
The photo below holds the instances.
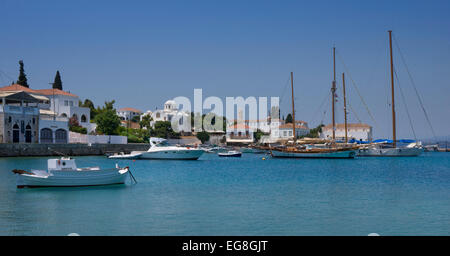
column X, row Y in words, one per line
column 142, row 53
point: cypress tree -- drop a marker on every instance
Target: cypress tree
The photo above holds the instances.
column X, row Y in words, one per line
column 58, row 83
column 22, row 77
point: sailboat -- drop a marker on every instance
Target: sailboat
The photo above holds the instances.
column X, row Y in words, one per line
column 388, row 149
column 333, row 151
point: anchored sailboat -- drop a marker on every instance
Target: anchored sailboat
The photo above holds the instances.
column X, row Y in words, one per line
column 387, row 149
column 302, row 151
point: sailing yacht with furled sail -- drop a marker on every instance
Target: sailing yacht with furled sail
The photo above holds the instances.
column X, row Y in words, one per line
column 388, row 149
column 302, row 151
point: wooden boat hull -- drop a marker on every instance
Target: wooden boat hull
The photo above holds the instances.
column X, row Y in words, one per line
column 332, row 154
column 392, row 152
column 72, row 178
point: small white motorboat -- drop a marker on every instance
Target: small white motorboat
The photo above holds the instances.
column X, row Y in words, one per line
column 232, row 153
column 63, row 172
column 121, row 155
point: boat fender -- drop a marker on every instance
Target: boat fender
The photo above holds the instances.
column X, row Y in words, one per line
column 59, row 162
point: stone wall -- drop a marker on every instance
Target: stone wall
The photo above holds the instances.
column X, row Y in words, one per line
column 25, row 149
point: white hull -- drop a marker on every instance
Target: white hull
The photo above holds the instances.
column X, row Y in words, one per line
column 390, row 152
column 133, row 155
column 72, row 178
column 335, row 154
column 173, row 154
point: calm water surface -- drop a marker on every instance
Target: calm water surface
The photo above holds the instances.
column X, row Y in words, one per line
column 232, row 196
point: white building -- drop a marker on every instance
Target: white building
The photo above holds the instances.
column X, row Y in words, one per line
column 239, row 134
column 171, row 111
column 356, row 131
column 128, row 114
column 30, row 118
column 286, row 131
column 66, row 105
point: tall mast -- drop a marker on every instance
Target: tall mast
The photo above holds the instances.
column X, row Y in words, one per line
column 394, row 137
column 345, row 107
column 293, row 108
column 333, row 93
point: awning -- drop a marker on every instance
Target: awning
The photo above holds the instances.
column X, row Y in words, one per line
column 22, row 96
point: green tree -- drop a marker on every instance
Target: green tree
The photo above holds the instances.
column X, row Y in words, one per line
column 136, row 119
column 57, row 84
column 258, row 134
column 163, row 129
column 107, row 119
column 74, row 126
column 89, row 104
column 203, row 136
column 288, row 119
column 22, row 77
column 314, row 133
column 145, row 122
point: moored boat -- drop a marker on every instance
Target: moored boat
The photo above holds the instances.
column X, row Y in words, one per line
column 313, row 153
column 121, row 155
column 232, row 153
column 63, row 172
column 160, row 149
column 412, row 149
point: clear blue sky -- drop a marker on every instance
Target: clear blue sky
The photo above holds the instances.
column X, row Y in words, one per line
column 142, row 53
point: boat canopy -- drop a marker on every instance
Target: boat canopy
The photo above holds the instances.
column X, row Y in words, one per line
column 391, row 141
column 358, row 141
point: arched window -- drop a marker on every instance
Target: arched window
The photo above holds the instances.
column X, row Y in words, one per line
column 158, row 115
column 83, row 119
column 46, row 135
column 75, row 116
column 61, row 136
column 63, row 115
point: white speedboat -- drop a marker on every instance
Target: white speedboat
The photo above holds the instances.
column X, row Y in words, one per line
column 412, row 149
column 121, row 155
column 63, row 172
column 160, row 149
column 230, row 154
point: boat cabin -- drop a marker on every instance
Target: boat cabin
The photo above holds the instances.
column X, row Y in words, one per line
column 64, row 163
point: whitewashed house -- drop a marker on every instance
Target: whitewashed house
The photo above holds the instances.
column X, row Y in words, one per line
column 28, row 117
column 66, row 105
column 286, row 131
column 357, row 131
column 128, row 114
column 171, row 111
column 239, row 134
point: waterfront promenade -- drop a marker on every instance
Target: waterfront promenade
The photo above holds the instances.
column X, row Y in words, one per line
column 26, row 149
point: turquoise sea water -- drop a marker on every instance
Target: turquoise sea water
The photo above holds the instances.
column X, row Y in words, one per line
column 239, row 196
